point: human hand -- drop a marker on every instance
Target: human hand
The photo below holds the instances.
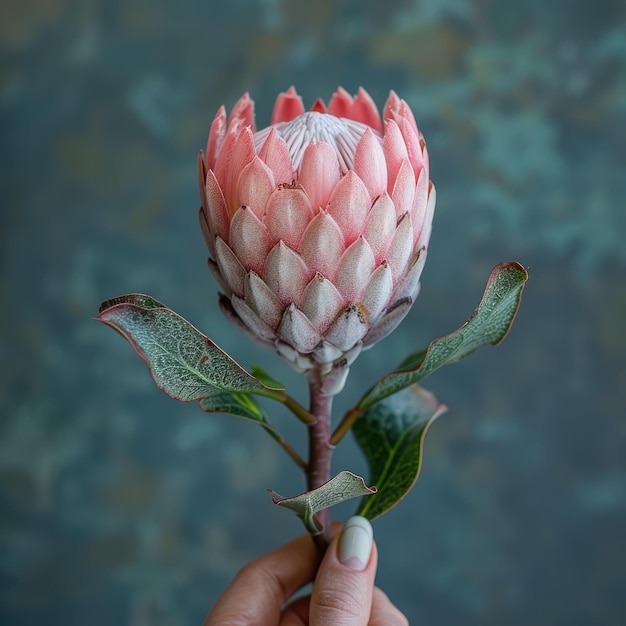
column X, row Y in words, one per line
column 343, row 592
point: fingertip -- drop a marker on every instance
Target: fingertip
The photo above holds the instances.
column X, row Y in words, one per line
column 355, row 543
column 342, row 592
column 384, row 612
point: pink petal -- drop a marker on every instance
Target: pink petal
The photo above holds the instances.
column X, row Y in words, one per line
column 319, row 106
column 216, row 212
column 397, row 109
column 407, row 114
column 369, row 164
column 424, row 152
column 202, row 179
column 391, row 108
column 216, row 137
column 223, row 169
column 378, row 292
column 286, row 274
column 388, row 323
column 215, row 270
column 420, row 202
column 350, row 355
column 275, row 154
column 209, row 237
column 340, row 104
column 413, row 145
column 255, row 184
column 322, row 245
column 401, row 247
column 319, row 173
column 364, row 110
column 395, row 151
column 404, row 189
column 296, row 330
column 326, row 353
column 230, row 267
column 243, row 113
column 349, row 204
column 335, row 380
column 321, row 302
column 287, row 107
column 408, row 286
column 252, row 321
column 300, row 362
column 243, row 153
column 288, row 214
column 262, row 300
column 400, row 111
column 249, row 239
column 380, row 226
column 237, row 151
column 231, row 315
column 355, row 269
column 427, row 225
column 349, row 328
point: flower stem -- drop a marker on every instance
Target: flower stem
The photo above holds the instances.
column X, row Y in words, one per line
column 320, row 447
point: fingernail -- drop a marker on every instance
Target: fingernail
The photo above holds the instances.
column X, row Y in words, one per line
column 355, row 543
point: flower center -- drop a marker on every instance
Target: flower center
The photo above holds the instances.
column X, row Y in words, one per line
column 312, row 127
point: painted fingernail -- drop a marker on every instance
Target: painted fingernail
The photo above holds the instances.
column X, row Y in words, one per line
column 355, row 543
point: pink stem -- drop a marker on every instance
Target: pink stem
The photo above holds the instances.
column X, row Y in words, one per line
column 320, row 447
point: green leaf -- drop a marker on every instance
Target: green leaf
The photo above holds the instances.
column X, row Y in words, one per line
column 183, row 362
column 233, row 403
column 241, row 405
column 342, row 487
column 260, row 374
column 488, row 324
column 391, row 435
column 188, row 366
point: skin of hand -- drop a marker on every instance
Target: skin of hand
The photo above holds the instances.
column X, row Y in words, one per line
column 343, row 592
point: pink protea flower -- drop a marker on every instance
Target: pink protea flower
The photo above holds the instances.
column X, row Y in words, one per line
column 317, row 225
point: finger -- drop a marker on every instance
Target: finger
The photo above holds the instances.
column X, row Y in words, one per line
column 255, row 596
column 384, row 613
column 342, row 593
column 296, row 613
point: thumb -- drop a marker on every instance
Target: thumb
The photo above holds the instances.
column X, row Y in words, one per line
column 342, row 593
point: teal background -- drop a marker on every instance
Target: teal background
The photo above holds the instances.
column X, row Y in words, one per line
column 121, row 506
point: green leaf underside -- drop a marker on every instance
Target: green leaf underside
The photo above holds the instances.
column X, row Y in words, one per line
column 183, row 362
column 344, row 486
column 240, row 405
column 234, row 404
column 488, row 324
column 391, row 435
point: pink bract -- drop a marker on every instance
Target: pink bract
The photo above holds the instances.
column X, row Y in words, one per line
column 318, row 224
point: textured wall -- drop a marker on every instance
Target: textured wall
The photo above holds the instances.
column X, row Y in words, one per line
column 118, row 505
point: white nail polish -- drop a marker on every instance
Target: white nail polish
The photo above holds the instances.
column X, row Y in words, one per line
column 355, row 543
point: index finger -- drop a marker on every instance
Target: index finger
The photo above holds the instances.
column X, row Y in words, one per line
column 259, row 590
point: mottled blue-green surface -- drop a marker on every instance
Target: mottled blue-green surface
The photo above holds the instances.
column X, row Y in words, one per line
column 120, row 506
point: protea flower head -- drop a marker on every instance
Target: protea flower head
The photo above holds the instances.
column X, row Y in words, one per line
column 317, row 225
